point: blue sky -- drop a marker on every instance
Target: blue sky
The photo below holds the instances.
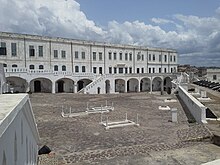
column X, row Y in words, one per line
column 190, row 27
column 103, row 11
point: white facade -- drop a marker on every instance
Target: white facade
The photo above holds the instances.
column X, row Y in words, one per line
column 19, row 137
column 77, row 63
column 2, row 77
column 213, row 75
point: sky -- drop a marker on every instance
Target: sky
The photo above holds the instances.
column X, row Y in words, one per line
column 190, row 27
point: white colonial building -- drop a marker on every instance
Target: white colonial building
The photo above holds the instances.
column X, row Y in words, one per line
column 44, row 64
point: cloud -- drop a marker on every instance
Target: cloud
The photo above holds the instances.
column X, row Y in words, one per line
column 161, row 21
column 195, row 38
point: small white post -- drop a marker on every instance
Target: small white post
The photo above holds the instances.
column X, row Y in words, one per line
column 87, row 105
column 137, row 119
column 70, row 111
column 101, row 108
column 174, row 115
column 126, row 116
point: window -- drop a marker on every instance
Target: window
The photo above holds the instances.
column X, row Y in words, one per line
column 120, row 56
column 149, row 70
column 154, row 57
column 138, row 70
column 160, row 58
column 31, row 67
column 40, row 51
column 4, row 65
column 83, row 55
column 13, row 49
column 149, row 57
column 55, row 67
column 63, row 54
column 126, row 70
column 171, row 58
column 3, row 50
column 31, row 51
column 76, row 54
column 64, row 68
column 55, row 53
column 100, row 70
column 130, row 70
column 14, row 66
column 110, row 70
column 83, row 69
column 115, row 56
column 165, row 58
column 126, row 56
column 174, row 58
column 100, row 56
column 153, row 70
column 138, row 56
column 94, row 56
column 214, row 77
column 120, row 70
column 171, row 70
column 41, row 67
column 110, row 55
column 165, row 70
column 142, row 57
column 115, row 70
column 130, row 56
column 94, row 69
column 142, row 70
column 159, row 70
column 76, row 69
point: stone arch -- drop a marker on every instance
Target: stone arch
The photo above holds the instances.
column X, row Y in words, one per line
column 83, row 83
column 120, row 85
column 64, row 85
column 107, row 86
column 145, row 84
column 167, row 84
column 156, row 84
column 16, row 84
column 132, row 85
column 41, row 85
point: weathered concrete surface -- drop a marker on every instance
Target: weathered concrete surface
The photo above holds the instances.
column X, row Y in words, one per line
column 82, row 140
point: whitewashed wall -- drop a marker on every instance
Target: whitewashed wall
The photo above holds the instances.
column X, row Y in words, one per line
column 18, row 134
column 197, row 109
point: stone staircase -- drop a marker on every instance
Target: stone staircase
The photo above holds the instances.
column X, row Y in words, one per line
column 91, row 88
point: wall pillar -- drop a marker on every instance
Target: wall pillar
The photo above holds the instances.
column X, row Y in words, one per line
column 162, row 87
column 126, row 87
column 75, row 87
column 53, row 87
column 139, row 86
column 151, row 88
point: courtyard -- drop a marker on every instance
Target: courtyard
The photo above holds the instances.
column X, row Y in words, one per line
column 83, row 140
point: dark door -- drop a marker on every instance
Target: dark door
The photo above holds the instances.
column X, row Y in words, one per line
column 80, row 85
column 60, row 86
column 37, row 86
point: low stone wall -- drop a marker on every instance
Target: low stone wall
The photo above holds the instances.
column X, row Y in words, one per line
column 197, row 109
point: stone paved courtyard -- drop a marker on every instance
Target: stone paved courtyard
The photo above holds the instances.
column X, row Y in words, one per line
column 83, row 139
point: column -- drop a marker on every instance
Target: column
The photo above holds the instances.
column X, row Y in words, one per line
column 75, row 87
column 161, row 87
column 53, row 87
column 151, row 86
column 139, row 86
column 126, row 86
column 28, row 87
